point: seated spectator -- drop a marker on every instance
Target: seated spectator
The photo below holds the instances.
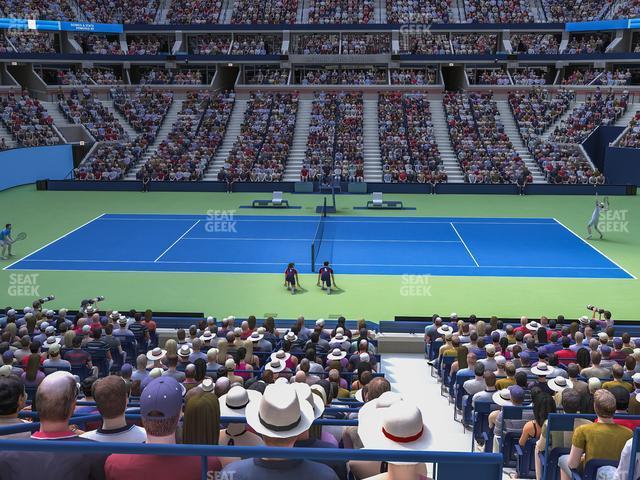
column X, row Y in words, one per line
column 27, row 120
column 280, row 417
column 111, row 396
column 341, row 11
column 365, row 44
column 101, row 45
column 421, row 44
column 604, row 439
column 504, row 11
column 160, row 407
column 474, row 44
column 209, row 44
column 418, row 12
column 586, row 10
column 316, row 44
column 266, row 76
column 234, row 404
column 251, row 12
column 13, row 399
column 120, row 11
column 256, row 44
column 535, row 43
column 587, row 43
column 29, row 41
column 56, row 400
column 194, row 12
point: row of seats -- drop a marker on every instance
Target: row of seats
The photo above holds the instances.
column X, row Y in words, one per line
column 28, row 121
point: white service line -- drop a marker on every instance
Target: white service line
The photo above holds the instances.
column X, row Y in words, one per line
column 54, row 241
column 179, row 238
column 465, row 245
column 324, row 240
column 605, row 256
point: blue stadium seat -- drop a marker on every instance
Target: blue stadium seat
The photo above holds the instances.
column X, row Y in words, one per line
column 526, row 459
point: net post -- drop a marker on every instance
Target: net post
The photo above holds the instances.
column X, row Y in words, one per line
column 313, row 257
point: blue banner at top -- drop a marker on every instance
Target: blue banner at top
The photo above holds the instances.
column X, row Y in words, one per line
column 57, row 26
column 622, row 24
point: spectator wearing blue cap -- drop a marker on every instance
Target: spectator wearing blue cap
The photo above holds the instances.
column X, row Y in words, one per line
column 607, row 362
column 160, row 407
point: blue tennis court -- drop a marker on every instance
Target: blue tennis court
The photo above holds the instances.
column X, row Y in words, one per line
column 504, row 247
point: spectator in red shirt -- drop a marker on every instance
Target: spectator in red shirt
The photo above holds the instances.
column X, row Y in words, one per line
column 565, row 353
column 160, row 407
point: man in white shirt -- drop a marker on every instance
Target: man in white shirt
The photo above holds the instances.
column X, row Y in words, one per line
column 110, row 394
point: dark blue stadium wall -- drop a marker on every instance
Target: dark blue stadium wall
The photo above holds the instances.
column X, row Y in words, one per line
column 622, row 165
column 597, row 143
column 20, row 166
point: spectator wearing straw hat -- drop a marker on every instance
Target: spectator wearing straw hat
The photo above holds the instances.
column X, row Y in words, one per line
column 234, row 404
column 260, row 344
column 280, row 417
column 542, row 371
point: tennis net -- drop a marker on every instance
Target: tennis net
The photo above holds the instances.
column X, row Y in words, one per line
column 317, row 240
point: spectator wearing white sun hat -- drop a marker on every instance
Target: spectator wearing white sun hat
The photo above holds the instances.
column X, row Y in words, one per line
column 280, row 418
column 400, row 427
column 234, row 404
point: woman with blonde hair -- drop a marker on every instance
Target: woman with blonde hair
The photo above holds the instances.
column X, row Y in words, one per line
column 223, row 345
column 480, row 328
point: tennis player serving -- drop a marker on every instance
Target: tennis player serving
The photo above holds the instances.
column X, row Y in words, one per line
column 6, row 241
column 595, row 217
column 326, row 278
column 291, row 280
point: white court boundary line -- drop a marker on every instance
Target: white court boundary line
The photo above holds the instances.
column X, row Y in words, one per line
column 465, row 245
column 594, row 248
column 179, row 238
column 425, row 265
column 54, row 241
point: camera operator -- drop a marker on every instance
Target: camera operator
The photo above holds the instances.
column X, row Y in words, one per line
column 603, row 320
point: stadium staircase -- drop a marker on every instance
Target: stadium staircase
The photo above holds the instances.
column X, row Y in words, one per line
column 371, row 140
column 457, row 11
column 511, row 129
column 565, row 115
column 60, row 121
column 8, row 137
column 299, row 146
column 233, row 130
column 165, row 129
column 163, row 10
column 380, row 11
column 226, row 12
column 441, row 134
column 624, row 120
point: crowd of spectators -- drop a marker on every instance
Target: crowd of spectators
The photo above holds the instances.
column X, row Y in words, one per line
column 184, row 385
column 28, row 41
column 474, row 43
column 587, row 43
column 120, row 11
column 147, row 44
column 101, row 45
column 425, row 44
column 580, row 11
column 27, row 120
column 598, row 109
column 256, row 44
column 341, row 11
column 580, row 76
column 342, row 76
column 266, row 76
column 365, row 43
column 37, row 9
column 335, row 140
column 418, row 11
column 529, row 76
column 564, row 164
column 627, row 9
column 161, row 76
column 413, row 76
column 82, row 108
column 617, row 76
column 252, row 12
column 493, row 76
column 260, row 151
column 317, row 44
column 631, row 138
column 194, row 11
column 110, row 161
column 144, row 108
column 81, row 76
column 536, row 110
column 209, row 44
column 535, row 43
column 483, row 149
column 407, row 145
column 498, row 11
column 194, row 139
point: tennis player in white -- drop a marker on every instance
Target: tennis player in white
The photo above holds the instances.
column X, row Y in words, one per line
column 6, row 241
column 595, row 217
